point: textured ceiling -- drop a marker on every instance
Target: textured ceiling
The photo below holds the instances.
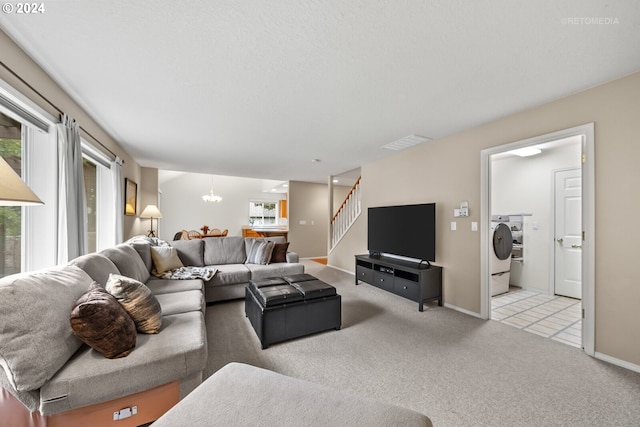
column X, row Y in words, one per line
column 259, row 89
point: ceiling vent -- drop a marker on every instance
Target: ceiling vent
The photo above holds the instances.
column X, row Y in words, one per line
column 406, row 142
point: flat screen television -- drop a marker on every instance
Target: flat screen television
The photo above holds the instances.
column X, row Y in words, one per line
column 406, row 231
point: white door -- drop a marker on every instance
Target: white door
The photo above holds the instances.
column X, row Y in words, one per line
column 568, row 233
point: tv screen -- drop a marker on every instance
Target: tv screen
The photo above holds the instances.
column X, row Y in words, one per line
column 408, row 231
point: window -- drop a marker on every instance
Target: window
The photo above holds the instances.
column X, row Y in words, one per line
column 90, row 192
column 263, row 213
column 99, row 195
column 28, row 142
column 10, row 216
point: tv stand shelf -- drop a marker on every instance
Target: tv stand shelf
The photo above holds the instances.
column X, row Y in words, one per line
column 417, row 282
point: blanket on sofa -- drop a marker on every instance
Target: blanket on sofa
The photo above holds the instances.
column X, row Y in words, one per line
column 186, row 273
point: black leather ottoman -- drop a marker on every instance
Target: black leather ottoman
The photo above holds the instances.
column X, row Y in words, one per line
column 281, row 309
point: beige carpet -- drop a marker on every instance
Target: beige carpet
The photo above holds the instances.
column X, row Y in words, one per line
column 457, row 369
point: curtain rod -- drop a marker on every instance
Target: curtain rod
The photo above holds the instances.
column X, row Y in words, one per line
column 54, row 106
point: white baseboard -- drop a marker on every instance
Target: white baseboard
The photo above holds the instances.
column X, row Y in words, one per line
column 463, row 310
column 618, row 362
column 341, row 269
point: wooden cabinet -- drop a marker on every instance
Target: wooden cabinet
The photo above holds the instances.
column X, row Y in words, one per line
column 412, row 280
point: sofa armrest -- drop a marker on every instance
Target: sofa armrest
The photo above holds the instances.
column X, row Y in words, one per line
column 292, row 257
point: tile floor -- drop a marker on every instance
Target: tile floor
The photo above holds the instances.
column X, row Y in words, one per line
column 551, row 316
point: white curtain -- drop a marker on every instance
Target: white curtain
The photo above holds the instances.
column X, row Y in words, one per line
column 116, row 176
column 72, row 207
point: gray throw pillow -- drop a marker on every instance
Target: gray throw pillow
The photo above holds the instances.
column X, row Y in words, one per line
column 260, row 252
column 138, row 301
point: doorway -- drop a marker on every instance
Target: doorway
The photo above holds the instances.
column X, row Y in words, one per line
column 524, row 192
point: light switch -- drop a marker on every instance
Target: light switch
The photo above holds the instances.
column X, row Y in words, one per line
column 453, row 226
column 474, row 226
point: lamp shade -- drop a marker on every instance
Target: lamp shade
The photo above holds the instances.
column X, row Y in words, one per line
column 13, row 190
column 151, row 211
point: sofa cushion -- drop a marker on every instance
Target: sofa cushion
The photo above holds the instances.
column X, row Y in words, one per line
column 181, row 302
column 128, row 261
column 167, row 286
column 191, row 252
column 144, row 250
column 230, row 274
column 260, row 252
column 274, row 270
column 178, row 351
column 165, row 258
column 97, row 266
column 139, row 302
column 35, row 338
column 224, row 250
column 101, row 322
column 279, row 253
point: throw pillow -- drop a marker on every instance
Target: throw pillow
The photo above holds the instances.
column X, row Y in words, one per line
column 165, row 258
column 260, row 252
column 279, row 253
column 137, row 299
column 101, row 322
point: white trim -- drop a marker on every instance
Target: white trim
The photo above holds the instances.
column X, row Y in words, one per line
column 616, row 361
column 32, row 110
column 464, row 310
column 342, row 269
column 588, row 223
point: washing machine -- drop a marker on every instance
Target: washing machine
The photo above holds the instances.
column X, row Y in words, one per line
column 500, row 258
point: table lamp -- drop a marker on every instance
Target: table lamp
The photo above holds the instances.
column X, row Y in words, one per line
column 13, row 190
column 151, row 211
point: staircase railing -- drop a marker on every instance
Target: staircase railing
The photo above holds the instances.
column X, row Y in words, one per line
column 346, row 215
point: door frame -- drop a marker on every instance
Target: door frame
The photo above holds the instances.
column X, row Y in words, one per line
column 588, row 223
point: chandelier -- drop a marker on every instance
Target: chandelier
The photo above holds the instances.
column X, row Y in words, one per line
column 211, row 197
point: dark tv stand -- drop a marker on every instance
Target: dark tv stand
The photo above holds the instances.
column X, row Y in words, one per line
column 411, row 280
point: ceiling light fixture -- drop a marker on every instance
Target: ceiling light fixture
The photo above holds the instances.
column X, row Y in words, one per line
column 526, row 151
column 211, row 197
column 406, row 142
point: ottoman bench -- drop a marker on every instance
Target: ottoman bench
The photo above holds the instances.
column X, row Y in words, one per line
column 284, row 308
column 243, row 395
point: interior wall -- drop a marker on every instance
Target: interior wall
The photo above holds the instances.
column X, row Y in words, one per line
column 308, row 222
column 525, row 185
column 447, row 171
column 21, row 65
column 182, row 206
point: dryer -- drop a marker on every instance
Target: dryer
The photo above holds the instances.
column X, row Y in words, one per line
column 500, row 259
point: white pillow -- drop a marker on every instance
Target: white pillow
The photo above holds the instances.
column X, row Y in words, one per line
column 165, row 258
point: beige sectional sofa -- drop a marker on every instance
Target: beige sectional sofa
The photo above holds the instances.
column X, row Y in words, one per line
column 45, row 368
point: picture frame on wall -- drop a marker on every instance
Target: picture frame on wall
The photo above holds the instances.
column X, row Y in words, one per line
column 130, row 197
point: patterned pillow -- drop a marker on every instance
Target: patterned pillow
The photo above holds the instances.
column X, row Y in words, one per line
column 279, row 253
column 260, row 252
column 165, row 258
column 101, row 322
column 137, row 299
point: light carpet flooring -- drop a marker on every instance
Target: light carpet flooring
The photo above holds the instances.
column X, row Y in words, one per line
column 457, row 369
